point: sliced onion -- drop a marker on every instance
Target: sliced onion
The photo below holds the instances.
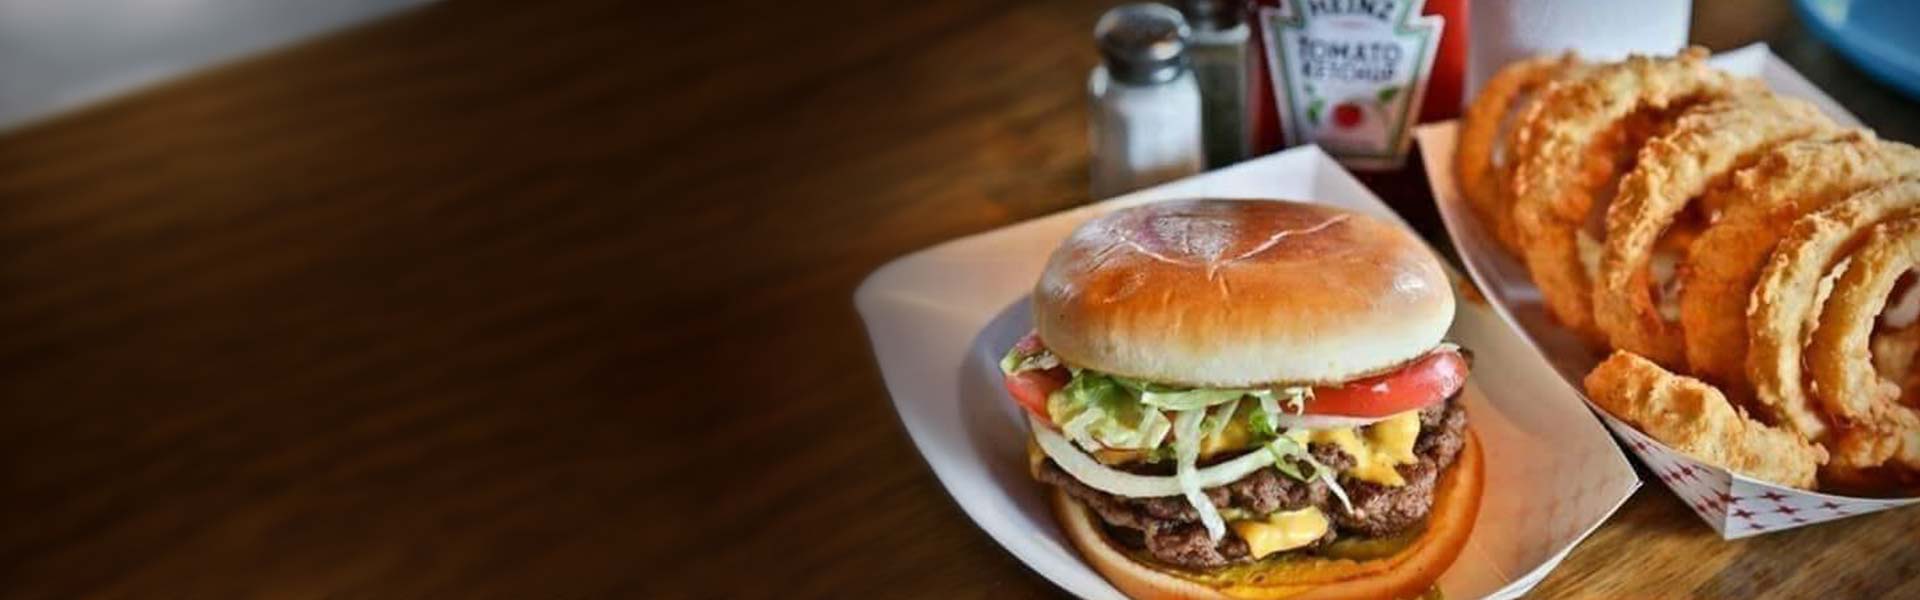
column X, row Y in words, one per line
column 1130, row 485
column 1077, row 427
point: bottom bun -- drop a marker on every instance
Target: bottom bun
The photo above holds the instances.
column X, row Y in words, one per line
column 1406, row 574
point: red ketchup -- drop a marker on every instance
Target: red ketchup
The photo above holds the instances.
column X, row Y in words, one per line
column 1354, row 76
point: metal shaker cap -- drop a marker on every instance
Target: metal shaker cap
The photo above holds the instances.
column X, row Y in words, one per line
column 1143, row 43
column 1209, row 15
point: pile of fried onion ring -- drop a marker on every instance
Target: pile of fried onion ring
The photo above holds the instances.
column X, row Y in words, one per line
column 1748, row 260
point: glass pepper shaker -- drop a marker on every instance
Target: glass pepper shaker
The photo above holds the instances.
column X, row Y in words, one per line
column 1219, row 55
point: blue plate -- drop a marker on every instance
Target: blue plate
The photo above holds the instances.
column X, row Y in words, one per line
column 1882, row 37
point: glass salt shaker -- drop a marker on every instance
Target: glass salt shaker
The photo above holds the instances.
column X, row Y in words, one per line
column 1145, row 102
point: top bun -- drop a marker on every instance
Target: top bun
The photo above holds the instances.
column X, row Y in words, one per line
column 1225, row 293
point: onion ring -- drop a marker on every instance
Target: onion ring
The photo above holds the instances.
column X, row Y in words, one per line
column 1896, row 339
column 1893, row 352
column 1756, row 210
column 1570, row 148
column 1786, row 299
column 1481, row 165
column 1870, row 427
column 1707, row 142
column 1697, row 420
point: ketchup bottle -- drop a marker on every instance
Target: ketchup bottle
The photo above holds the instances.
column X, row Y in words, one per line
column 1348, row 71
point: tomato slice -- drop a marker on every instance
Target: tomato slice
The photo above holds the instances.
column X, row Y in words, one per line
column 1427, row 380
column 1424, row 381
column 1031, row 388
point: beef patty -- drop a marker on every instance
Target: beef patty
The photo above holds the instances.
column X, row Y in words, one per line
column 1169, row 528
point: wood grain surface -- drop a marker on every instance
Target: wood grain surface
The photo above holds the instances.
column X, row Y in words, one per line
column 553, row 299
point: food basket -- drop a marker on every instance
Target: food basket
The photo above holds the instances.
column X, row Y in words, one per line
column 1735, row 505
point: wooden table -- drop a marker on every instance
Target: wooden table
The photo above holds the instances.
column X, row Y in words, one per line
column 507, row 299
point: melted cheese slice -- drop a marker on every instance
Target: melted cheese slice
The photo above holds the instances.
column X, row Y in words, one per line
column 1233, row 438
column 1281, row 531
column 1376, row 449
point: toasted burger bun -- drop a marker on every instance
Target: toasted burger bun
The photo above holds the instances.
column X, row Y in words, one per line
column 1404, row 575
column 1234, row 292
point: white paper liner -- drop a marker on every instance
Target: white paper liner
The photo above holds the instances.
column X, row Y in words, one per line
column 1734, row 505
column 940, row 318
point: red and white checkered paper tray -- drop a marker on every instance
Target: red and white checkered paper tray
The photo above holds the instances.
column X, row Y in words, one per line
column 1735, row 505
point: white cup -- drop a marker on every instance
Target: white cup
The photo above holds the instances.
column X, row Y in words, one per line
column 1503, row 31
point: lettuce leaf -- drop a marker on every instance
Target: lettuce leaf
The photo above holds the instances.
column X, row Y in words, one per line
column 1196, row 399
column 1098, row 412
column 1285, row 448
column 1288, row 455
column 1261, row 426
column 1176, row 398
column 1186, row 469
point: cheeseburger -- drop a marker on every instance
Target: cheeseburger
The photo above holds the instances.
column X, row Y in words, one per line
column 1250, row 399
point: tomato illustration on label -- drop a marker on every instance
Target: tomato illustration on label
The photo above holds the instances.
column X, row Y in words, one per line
column 1346, row 115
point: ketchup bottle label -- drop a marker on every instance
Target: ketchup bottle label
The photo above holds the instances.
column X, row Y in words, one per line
column 1350, row 75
